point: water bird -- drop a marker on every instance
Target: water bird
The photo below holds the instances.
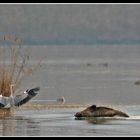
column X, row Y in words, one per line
column 104, row 64
column 18, row 100
column 61, row 100
column 137, row 82
column 89, row 64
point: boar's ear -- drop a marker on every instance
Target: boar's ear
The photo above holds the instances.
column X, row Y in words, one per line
column 93, row 107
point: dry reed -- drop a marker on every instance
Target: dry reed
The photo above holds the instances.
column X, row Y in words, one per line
column 14, row 68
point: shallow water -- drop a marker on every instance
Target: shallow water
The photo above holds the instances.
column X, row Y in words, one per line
column 61, row 122
column 83, row 74
column 99, row 74
column 86, row 74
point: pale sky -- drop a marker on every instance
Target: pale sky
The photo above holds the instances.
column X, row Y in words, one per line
column 71, row 23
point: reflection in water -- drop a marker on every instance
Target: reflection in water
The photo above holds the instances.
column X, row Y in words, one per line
column 98, row 120
column 5, row 113
column 7, row 127
column 95, row 120
column 30, row 127
column 11, row 125
column 60, row 122
column 27, row 126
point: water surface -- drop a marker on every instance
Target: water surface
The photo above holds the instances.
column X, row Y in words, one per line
column 61, row 122
column 83, row 74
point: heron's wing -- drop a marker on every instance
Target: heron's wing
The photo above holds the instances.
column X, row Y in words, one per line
column 24, row 98
column 36, row 89
column 33, row 92
column 21, row 99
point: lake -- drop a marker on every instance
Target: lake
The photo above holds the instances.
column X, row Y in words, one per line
column 86, row 75
column 61, row 122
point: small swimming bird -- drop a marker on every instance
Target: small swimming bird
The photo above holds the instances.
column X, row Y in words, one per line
column 18, row 100
column 61, row 100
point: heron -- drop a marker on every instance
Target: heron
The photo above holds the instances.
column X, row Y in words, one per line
column 18, row 100
column 7, row 102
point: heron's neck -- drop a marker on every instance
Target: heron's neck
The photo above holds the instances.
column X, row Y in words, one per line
column 11, row 88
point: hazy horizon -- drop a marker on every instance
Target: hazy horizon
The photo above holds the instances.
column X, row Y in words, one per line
column 71, row 24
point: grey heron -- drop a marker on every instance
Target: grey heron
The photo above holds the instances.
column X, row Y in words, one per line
column 18, row 100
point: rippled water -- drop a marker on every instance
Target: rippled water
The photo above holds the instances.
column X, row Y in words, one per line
column 61, row 122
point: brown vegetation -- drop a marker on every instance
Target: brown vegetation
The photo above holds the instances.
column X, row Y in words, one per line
column 14, row 68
